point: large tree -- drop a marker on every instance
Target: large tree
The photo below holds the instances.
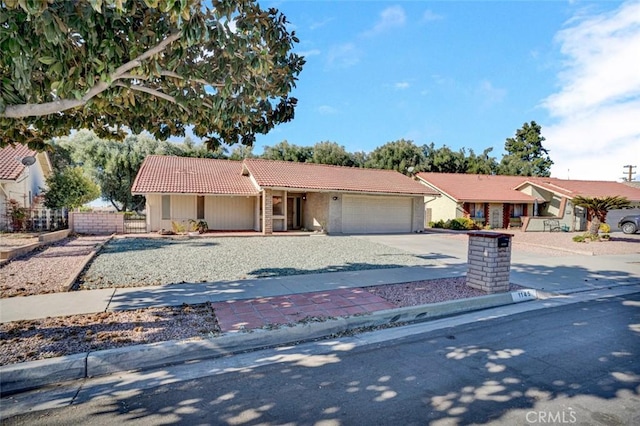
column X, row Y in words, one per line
column 155, row 65
column 331, row 153
column 69, row 188
column 284, row 151
column 525, row 155
column 114, row 164
column 402, row 155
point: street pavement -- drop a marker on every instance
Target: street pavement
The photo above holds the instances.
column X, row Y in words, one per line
column 574, row 360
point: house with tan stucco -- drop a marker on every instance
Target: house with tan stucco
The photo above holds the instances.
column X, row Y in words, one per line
column 533, row 203
column 276, row 196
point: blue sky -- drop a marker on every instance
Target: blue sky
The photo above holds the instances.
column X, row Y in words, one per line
column 469, row 74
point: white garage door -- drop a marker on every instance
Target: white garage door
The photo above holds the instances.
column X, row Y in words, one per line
column 369, row 215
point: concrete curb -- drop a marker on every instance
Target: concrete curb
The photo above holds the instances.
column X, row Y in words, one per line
column 69, row 284
column 34, row 374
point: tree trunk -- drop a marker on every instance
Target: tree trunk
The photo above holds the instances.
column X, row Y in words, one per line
column 594, row 227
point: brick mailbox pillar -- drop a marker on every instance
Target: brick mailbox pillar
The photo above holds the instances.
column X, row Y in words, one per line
column 489, row 261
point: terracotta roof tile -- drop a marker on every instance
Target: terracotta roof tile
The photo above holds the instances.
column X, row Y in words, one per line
column 586, row 188
column 478, row 188
column 10, row 165
column 169, row 174
column 283, row 174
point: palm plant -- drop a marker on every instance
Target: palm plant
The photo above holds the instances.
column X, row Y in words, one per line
column 598, row 207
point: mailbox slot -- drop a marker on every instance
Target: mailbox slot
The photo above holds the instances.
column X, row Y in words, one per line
column 503, row 242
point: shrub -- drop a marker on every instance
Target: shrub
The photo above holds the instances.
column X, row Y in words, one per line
column 605, row 237
column 605, row 228
column 439, row 224
column 578, row 238
column 176, row 227
column 461, row 224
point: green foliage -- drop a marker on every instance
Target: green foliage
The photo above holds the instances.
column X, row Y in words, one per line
column 200, row 226
column 399, row 156
column 457, row 224
column 585, row 238
column 525, row 154
column 70, row 188
column 17, row 214
column 225, row 69
column 113, row 164
column 331, row 153
column 284, row 151
column 241, row 152
column 598, row 207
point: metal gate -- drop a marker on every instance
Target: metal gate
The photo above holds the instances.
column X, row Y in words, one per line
column 135, row 224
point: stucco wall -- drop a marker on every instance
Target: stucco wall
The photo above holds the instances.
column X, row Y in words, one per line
column 315, row 211
column 418, row 214
column 230, row 213
column 442, row 208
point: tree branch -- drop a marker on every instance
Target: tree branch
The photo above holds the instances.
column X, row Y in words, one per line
column 153, row 92
column 38, row 110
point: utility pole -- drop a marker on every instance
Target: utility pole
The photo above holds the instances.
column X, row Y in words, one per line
column 629, row 171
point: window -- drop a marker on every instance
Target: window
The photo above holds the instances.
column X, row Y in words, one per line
column 199, row 207
column 476, row 210
column 517, row 210
column 277, row 206
column 166, row 207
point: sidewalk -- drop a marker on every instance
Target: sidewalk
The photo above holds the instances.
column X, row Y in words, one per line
column 93, row 301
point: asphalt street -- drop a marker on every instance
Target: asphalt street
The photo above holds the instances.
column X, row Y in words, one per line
column 574, row 364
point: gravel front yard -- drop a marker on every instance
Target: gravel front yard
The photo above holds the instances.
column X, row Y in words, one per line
column 133, row 262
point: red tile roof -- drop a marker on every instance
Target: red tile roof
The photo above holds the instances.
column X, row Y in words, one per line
column 478, row 188
column 586, row 188
column 488, row 188
column 320, row 177
column 169, row 174
column 10, row 165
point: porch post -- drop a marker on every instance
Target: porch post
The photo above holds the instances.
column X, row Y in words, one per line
column 267, row 211
column 284, row 209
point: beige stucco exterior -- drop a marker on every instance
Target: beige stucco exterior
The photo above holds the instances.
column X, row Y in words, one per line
column 318, row 211
column 230, row 213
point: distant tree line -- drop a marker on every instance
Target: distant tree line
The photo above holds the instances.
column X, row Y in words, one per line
column 113, row 165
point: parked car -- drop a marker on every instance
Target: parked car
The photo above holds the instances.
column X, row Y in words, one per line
column 630, row 224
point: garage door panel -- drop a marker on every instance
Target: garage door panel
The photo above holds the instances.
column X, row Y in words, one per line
column 362, row 214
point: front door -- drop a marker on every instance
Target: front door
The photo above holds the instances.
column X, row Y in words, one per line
column 294, row 218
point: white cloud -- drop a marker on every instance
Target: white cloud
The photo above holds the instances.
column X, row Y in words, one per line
column 319, row 24
column 326, row 110
column 597, row 108
column 308, row 53
column 430, row 16
column 343, row 56
column 401, row 85
column 390, row 18
column 490, row 95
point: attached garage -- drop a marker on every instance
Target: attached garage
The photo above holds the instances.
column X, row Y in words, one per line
column 373, row 214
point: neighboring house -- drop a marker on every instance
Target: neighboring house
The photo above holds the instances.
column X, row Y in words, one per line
column 557, row 195
column 487, row 199
column 23, row 174
column 268, row 196
column 540, row 203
